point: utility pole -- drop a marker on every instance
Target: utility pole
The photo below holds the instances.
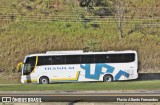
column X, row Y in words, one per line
column 121, row 14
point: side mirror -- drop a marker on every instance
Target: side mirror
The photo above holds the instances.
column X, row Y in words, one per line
column 19, row 66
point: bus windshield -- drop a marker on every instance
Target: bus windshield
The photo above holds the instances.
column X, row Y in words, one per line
column 27, row 69
column 29, row 65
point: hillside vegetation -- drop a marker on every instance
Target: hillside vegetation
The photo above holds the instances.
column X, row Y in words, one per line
column 37, row 26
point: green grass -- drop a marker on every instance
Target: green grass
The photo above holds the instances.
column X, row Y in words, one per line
column 20, row 38
column 129, row 85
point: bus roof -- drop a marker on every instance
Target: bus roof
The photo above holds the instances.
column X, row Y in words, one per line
column 65, row 52
column 78, row 52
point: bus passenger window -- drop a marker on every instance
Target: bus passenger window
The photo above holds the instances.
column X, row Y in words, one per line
column 58, row 60
column 44, row 60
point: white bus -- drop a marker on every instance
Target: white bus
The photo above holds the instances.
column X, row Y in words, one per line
column 77, row 66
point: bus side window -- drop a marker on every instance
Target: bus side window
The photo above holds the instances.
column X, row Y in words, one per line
column 121, row 58
column 58, row 60
column 44, row 60
column 102, row 58
column 86, row 59
column 73, row 59
column 129, row 57
column 116, row 58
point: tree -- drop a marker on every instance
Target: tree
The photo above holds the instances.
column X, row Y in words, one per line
column 120, row 12
column 104, row 7
column 86, row 3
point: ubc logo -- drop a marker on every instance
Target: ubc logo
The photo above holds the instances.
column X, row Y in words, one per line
column 98, row 71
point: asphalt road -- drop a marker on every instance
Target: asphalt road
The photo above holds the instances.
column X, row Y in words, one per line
column 85, row 96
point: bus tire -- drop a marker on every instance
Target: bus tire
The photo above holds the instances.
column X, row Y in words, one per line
column 44, row 80
column 108, row 78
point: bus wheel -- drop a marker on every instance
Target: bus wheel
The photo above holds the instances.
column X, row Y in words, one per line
column 44, row 80
column 108, row 78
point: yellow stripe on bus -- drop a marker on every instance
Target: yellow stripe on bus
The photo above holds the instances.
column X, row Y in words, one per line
column 73, row 79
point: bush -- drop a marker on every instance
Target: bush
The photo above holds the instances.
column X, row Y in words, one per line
column 104, row 12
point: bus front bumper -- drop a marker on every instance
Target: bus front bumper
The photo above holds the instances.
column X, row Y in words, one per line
column 22, row 79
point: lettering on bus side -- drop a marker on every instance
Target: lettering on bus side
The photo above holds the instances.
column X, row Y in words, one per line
column 98, row 71
column 59, row 68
